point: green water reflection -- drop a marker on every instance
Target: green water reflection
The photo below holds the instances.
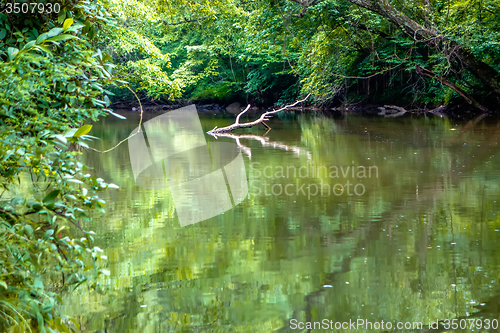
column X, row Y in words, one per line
column 418, row 245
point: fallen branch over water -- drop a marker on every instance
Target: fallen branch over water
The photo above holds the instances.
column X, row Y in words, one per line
column 264, row 117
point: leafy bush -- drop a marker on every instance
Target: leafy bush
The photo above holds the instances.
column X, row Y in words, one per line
column 51, row 81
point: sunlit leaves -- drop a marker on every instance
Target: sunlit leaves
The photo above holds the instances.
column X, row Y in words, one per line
column 82, row 130
column 67, row 23
column 152, row 78
column 133, row 41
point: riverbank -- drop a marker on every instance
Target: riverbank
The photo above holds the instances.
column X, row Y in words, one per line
column 453, row 111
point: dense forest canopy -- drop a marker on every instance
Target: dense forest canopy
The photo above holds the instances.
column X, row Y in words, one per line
column 339, row 50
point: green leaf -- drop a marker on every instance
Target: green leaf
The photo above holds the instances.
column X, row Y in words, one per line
column 35, row 205
column 116, row 114
column 29, row 230
column 28, row 45
column 67, row 23
column 75, row 27
column 62, row 16
column 70, row 133
column 40, row 321
column 47, row 304
column 43, row 48
column 37, row 282
column 61, row 138
column 48, row 234
column 50, row 198
column 83, row 144
column 3, row 33
column 82, row 131
column 54, row 32
column 42, row 37
column 11, row 52
column 61, row 37
column 3, row 284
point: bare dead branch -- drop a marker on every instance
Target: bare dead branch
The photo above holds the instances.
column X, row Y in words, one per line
column 394, row 115
column 242, row 112
column 398, row 108
column 264, row 117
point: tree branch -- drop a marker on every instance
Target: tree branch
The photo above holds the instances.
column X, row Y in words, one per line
column 391, row 111
column 435, row 39
column 305, row 5
column 242, row 112
column 187, row 21
column 468, row 98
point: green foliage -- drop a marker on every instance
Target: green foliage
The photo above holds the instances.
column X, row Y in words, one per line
column 272, row 51
column 51, row 81
column 133, row 44
column 210, row 50
column 358, row 52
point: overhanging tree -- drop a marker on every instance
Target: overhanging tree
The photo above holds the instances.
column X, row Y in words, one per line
column 423, row 22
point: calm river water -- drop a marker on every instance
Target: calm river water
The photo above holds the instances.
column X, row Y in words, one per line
column 415, row 239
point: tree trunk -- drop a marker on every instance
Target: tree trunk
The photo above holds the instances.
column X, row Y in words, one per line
column 425, row 72
column 435, row 39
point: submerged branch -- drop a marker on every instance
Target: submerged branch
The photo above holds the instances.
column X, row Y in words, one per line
column 390, row 111
column 439, row 111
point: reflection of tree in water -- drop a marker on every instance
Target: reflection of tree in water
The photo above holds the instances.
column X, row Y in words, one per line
column 443, row 205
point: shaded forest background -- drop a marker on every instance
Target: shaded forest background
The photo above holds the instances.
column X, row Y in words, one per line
column 341, row 51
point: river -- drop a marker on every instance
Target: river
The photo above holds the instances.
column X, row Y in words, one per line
column 413, row 240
